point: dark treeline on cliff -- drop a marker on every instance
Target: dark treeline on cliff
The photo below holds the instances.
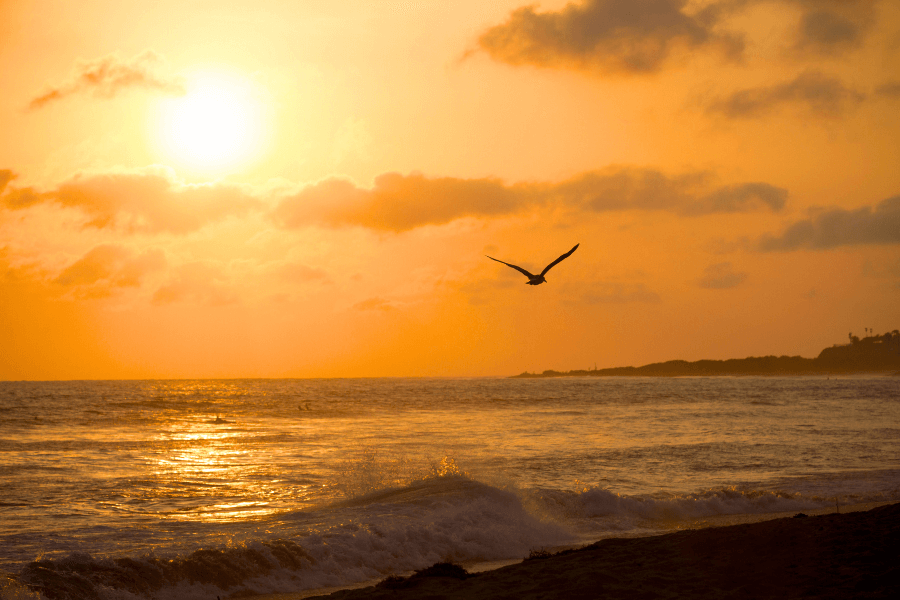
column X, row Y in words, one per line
column 871, row 354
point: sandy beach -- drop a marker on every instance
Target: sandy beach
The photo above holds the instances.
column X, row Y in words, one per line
column 849, row 555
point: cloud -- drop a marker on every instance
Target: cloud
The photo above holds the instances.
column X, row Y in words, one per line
column 198, row 282
column 5, row 177
column 827, row 27
column 823, row 95
column 398, row 203
column 740, row 198
column 720, row 276
column 890, row 89
column 97, row 264
column 639, row 36
column 296, row 273
column 108, row 75
column 649, row 189
column 19, row 198
column 153, row 200
column 109, row 266
column 825, row 30
column 150, row 199
column 840, row 227
column 608, row 36
column 374, row 304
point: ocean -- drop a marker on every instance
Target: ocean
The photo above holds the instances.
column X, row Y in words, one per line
column 233, row 488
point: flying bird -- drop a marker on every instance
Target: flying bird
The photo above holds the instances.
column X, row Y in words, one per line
column 536, row 279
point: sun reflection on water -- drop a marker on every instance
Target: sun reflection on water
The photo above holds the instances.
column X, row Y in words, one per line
column 210, row 473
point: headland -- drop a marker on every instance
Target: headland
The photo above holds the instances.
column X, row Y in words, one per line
column 871, row 354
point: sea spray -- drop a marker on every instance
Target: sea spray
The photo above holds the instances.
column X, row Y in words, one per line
column 387, row 532
column 11, row 589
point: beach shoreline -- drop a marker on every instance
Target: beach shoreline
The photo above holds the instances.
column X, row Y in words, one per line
column 852, row 553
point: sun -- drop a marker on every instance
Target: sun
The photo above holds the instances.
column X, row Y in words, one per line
column 216, row 126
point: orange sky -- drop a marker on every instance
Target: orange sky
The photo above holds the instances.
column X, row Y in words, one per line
column 308, row 189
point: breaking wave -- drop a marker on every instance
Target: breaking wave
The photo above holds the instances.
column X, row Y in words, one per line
column 450, row 518
column 447, row 516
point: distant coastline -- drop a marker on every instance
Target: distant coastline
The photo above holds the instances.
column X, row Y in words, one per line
column 871, row 354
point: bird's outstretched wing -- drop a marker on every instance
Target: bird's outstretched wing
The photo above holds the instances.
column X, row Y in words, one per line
column 550, row 266
column 519, row 269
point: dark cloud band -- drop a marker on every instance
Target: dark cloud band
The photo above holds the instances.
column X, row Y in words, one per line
column 398, row 203
column 639, row 36
column 153, row 200
column 840, row 227
column 617, row 36
column 823, row 95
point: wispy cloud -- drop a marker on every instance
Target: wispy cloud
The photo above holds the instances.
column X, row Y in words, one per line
column 16, row 198
column 890, row 89
column 109, row 75
column 649, row 189
column 300, row 273
column 721, row 276
column 741, row 198
column 5, row 177
column 609, row 36
column 107, row 267
column 828, row 27
column 197, row 282
column 374, row 304
column 840, row 227
column 823, row 95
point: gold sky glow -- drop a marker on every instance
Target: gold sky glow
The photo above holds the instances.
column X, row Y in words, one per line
column 310, row 189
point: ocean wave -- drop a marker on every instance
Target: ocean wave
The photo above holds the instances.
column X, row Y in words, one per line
column 443, row 516
column 618, row 512
column 450, row 518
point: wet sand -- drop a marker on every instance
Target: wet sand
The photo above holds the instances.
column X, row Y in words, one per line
column 848, row 555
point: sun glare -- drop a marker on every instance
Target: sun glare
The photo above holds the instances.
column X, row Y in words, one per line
column 217, row 125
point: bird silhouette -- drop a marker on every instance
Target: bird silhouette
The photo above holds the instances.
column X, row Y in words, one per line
column 536, row 279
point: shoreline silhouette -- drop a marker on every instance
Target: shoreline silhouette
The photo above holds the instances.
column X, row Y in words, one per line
column 871, row 354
